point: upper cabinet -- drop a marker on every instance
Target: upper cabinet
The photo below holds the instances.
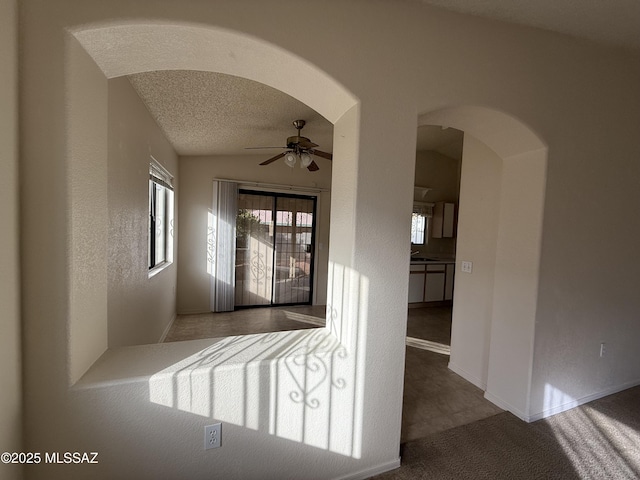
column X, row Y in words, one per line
column 443, row 220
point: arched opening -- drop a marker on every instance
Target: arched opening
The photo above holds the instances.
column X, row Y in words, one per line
column 499, row 230
column 98, row 53
column 123, row 49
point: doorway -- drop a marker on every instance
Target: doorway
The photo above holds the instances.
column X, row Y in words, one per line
column 275, row 235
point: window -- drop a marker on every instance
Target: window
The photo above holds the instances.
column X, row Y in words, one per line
column 418, row 228
column 160, row 217
column 420, row 223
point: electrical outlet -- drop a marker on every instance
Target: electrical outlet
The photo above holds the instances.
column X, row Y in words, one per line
column 467, row 267
column 212, row 436
column 602, row 349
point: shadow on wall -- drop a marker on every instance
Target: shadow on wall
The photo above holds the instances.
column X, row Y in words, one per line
column 304, row 385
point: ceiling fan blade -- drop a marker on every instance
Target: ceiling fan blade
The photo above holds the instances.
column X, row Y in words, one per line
column 313, row 167
column 260, row 148
column 273, row 159
column 305, row 143
column 322, row 154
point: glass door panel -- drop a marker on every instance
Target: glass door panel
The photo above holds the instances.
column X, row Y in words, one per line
column 254, row 250
column 294, row 250
column 274, row 249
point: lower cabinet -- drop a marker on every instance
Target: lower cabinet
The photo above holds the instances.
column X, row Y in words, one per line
column 416, row 287
column 431, row 282
column 434, row 286
column 448, row 281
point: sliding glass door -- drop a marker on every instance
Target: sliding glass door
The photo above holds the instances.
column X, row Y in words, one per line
column 274, row 249
column 254, row 249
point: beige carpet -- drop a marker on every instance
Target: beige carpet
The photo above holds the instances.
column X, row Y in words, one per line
column 599, row 440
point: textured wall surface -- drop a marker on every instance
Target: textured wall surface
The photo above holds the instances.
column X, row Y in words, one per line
column 139, row 307
column 10, row 350
column 477, row 242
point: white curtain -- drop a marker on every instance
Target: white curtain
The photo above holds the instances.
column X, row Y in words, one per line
column 424, row 209
column 222, row 245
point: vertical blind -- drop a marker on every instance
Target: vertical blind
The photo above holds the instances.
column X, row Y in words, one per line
column 223, row 237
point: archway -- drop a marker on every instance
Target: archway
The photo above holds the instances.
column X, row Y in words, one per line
column 500, row 230
column 121, row 49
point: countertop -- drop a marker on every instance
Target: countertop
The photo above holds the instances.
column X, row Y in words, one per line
column 424, row 260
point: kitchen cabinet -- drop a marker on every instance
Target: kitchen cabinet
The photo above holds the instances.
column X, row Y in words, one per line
column 416, row 283
column 448, row 281
column 443, row 220
column 431, row 282
column 434, row 283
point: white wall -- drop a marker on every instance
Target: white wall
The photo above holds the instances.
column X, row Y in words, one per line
column 550, row 82
column 516, row 281
column 86, row 209
column 480, row 187
column 196, row 179
column 139, row 308
column 10, row 351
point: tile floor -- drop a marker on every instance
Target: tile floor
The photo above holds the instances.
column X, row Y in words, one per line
column 245, row 322
column 435, row 398
column 430, row 323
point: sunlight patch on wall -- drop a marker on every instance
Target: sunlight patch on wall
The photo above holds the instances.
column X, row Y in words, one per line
column 555, row 398
column 346, row 319
column 304, row 385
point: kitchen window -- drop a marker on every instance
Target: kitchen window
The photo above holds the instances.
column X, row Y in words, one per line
column 160, row 252
column 418, row 228
column 420, row 223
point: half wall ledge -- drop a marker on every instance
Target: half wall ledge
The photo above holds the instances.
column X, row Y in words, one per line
column 142, row 362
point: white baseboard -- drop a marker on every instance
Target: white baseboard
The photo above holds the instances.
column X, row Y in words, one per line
column 581, row 401
column 553, row 410
column 506, row 406
column 489, row 396
column 467, row 376
column 372, row 471
column 166, row 330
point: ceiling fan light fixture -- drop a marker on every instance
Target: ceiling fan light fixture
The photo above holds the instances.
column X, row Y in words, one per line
column 305, row 160
column 290, row 159
column 298, row 148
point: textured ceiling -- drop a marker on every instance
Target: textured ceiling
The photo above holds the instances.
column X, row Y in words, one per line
column 613, row 22
column 205, row 113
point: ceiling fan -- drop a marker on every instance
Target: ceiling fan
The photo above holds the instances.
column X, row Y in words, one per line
column 298, row 148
